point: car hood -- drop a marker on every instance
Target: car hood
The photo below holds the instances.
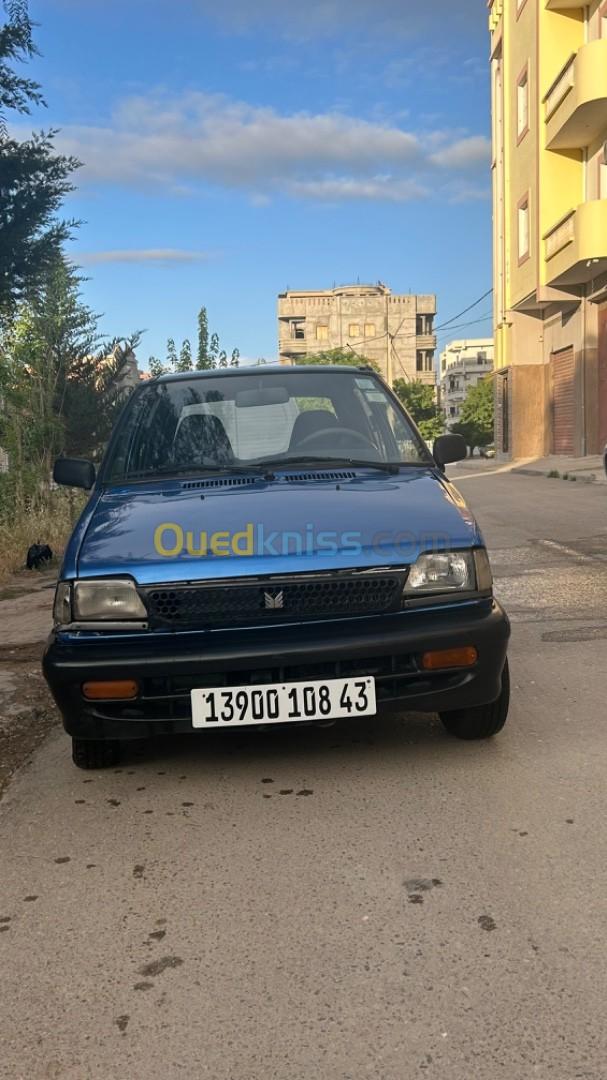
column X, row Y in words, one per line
column 168, row 532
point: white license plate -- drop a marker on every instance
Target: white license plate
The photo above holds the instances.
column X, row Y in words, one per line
column 239, row 706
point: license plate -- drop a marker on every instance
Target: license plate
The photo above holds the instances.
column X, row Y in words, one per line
column 239, row 706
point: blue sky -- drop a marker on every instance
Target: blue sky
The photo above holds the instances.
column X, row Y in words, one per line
column 232, row 150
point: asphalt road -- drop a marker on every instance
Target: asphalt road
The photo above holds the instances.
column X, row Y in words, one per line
column 243, row 909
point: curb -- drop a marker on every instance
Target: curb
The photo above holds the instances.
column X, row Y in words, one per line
column 583, row 478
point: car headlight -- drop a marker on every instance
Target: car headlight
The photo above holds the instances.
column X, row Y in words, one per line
column 450, row 571
column 116, row 600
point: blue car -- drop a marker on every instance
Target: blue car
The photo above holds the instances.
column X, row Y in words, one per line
column 271, row 546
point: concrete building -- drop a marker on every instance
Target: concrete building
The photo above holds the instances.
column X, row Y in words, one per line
column 397, row 332
column 549, row 95
column 462, row 365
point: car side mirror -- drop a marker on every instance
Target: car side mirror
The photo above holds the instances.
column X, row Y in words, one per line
column 448, row 448
column 74, row 472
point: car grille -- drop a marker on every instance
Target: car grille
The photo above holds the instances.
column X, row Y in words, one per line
column 262, row 601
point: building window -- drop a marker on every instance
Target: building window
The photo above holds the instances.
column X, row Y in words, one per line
column 322, row 332
column 298, row 330
column 523, row 229
column 369, row 329
column 354, row 330
column 425, row 360
column 519, row 6
column 452, row 411
column 522, row 104
column 424, row 324
column 481, row 357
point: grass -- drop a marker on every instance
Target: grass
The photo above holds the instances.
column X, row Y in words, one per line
column 49, row 522
column 554, row 474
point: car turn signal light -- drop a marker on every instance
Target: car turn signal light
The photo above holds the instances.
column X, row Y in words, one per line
column 450, row 658
column 123, row 690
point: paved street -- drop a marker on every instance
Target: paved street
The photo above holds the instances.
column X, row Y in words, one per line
column 373, row 900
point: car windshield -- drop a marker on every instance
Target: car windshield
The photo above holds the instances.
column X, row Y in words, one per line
column 251, row 420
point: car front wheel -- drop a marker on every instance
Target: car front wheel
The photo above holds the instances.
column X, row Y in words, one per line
column 95, row 753
column 481, row 721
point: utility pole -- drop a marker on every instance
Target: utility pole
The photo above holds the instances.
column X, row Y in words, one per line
column 389, row 372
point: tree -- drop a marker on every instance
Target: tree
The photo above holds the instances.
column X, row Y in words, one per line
column 33, row 179
column 477, row 415
column 418, row 399
column 214, row 350
column 338, row 356
column 184, row 363
column 62, row 384
column 156, row 367
column 203, row 360
column 172, row 359
column 235, row 358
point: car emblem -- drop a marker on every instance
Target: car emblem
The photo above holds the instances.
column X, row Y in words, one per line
column 273, row 601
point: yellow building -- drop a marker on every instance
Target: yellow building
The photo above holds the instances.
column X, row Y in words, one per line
column 549, row 104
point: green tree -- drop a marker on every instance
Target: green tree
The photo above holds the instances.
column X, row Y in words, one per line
column 156, row 367
column 418, row 399
column 214, row 350
column 338, row 356
column 172, row 358
column 62, row 385
column 184, row 363
column 203, row 360
column 33, row 179
column 477, row 416
column 235, row 358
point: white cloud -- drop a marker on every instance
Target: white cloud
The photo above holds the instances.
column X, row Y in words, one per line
column 159, row 256
column 376, row 189
column 466, row 153
column 198, row 139
column 324, row 18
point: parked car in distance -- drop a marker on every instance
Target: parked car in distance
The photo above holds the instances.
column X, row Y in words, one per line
column 271, row 547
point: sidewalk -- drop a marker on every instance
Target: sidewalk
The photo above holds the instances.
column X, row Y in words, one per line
column 587, row 470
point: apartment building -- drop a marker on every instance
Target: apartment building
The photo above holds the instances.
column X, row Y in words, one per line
column 462, row 365
column 549, row 98
column 395, row 331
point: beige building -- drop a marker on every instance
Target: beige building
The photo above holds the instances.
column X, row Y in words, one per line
column 462, row 365
column 395, row 331
column 549, row 91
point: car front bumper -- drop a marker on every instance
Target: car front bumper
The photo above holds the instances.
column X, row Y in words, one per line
column 169, row 666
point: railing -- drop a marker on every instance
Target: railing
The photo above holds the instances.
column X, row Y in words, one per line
column 561, row 86
column 560, row 235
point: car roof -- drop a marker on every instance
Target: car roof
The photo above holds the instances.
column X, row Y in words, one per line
column 261, row 369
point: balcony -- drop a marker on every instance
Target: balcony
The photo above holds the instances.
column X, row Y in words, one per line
column 293, row 346
column 576, row 246
column 425, row 341
column 565, row 5
column 576, row 103
column 496, row 11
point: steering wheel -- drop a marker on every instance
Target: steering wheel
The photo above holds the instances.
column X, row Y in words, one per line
column 341, row 438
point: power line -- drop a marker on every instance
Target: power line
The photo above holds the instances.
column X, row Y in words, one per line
column 441, row 326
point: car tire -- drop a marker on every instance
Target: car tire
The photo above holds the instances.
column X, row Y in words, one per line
column 95, row 753
column 481, row 721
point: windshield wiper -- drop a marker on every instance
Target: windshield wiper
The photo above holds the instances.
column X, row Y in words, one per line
column 384, row 466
